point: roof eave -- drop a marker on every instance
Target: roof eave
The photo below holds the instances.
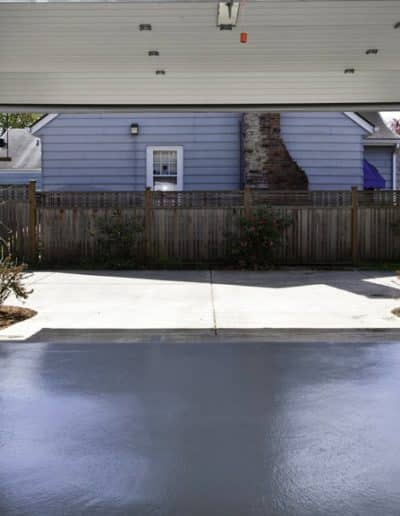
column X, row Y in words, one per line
column 360, row 121
column 42, row 122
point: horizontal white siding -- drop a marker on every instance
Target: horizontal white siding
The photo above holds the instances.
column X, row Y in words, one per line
column 97, row 151
column 327, row 146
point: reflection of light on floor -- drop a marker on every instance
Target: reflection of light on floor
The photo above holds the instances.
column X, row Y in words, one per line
column 323, row 431
column 49, row 409
column 21, row 370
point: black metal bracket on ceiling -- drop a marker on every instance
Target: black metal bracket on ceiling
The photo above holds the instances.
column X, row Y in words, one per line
column 227, row 16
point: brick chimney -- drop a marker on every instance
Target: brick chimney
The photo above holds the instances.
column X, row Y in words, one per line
column 266, row 163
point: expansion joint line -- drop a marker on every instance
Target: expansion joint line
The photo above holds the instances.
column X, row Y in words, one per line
column 213, row 303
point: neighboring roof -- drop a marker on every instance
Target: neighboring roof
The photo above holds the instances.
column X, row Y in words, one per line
column 383, row 135
column 44, row 120
column 23, row 148
column 361, row 121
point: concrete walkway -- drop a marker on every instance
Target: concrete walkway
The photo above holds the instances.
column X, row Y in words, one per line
column 295, row 298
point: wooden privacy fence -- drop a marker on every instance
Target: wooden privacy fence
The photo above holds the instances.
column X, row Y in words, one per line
column 18, row 221
column 327, row 227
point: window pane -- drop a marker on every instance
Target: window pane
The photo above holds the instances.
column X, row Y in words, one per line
column 165, row 184
column 165, row 162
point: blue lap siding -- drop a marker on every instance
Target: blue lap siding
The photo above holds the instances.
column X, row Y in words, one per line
column 97, row 151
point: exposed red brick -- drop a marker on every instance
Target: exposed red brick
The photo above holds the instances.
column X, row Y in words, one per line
column 266, row 160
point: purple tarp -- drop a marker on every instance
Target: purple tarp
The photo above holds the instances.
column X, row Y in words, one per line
column 372, row 177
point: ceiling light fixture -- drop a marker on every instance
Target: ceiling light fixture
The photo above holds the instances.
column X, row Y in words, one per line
column 145, row 26
column 228, row 13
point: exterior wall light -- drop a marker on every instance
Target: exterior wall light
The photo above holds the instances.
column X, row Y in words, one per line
column 145, row 26
column 134, row 129
column 349, row 71
column 372, row 51
column 153, row 53
column 160, row 72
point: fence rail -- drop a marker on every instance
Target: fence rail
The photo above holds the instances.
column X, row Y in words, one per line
column 329, row 227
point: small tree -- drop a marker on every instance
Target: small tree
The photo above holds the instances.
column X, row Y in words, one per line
column 17, row 120
column 12, row 277
column 259, row 234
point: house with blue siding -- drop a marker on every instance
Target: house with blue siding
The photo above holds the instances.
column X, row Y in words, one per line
column 214, row 151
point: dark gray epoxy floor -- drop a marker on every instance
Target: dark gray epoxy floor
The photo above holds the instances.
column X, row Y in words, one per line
column 186, row 429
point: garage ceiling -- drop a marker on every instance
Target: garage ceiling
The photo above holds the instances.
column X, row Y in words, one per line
column 85, row 54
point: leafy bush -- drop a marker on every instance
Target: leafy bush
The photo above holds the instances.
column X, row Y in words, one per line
column 118, row 239
column 12, row 277
column 5, row 240
column 259, row 234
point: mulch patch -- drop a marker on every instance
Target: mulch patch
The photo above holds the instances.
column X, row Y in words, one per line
column 12, row 314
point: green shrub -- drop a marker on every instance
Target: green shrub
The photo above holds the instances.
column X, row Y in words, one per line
column 12, row 278
column 259, row 234
column 118, row 239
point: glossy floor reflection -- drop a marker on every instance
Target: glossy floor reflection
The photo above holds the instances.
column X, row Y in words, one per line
column 199, row 429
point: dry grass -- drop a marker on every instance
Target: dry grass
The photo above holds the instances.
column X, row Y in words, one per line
column 12, row 314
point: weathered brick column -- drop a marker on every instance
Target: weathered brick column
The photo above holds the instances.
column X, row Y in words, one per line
column 265, row 160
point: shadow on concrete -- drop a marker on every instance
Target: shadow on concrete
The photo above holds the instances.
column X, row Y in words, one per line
column 363, row 283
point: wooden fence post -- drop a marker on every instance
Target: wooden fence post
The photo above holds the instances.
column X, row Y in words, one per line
column 148, row 222
column 247, row 201
column 354, row 226
column 32, row 223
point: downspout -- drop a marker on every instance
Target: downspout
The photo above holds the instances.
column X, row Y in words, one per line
column 394, row 167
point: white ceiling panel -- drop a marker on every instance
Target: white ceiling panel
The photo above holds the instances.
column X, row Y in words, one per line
column 93, row 54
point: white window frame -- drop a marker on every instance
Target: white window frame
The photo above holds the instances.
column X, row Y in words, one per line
column 179, row 165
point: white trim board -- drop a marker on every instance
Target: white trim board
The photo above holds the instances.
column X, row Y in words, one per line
column 359, row 120
column 42, row 122
column 149, row 164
